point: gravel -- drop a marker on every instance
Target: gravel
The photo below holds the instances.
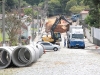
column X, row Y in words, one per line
column 63, row 62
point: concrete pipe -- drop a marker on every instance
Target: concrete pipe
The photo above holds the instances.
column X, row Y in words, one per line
column 25, row 55
column 41, row 49
column 5, row 56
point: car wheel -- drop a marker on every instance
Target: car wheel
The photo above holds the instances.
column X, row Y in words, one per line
column 83, row 47
column 67, row 45
column 55, row 49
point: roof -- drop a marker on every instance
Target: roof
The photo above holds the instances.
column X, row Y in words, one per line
column 84, row 12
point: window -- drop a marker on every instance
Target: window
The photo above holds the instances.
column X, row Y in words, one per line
column 58, row 35
column 45, row 43
column 77, row 36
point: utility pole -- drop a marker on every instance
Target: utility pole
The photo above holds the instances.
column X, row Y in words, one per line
column 32, row 26
column 19, row 12
column 3, row 20
column 45, row 8
column 38, row 22
column 45, row 12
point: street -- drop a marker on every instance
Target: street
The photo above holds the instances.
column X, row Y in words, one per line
column 27, row 25
column 63, row 62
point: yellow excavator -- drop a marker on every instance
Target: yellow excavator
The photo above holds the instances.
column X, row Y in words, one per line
column 48, row 37
column 55, row 36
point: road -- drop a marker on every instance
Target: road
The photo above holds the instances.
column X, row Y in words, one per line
column 63, row 62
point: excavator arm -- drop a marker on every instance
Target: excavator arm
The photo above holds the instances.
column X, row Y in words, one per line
column 54, row 26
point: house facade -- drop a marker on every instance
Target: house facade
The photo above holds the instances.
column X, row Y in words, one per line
column 84, row 14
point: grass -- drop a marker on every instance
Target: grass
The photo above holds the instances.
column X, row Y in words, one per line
column 6, row 37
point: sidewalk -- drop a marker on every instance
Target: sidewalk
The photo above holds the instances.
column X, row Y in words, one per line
column 36, row 39
column 90, row 45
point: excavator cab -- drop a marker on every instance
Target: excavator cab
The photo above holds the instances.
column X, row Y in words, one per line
column 58, row 36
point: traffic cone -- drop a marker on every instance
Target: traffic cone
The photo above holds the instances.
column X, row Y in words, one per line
column 96, row 47
column 44, row 51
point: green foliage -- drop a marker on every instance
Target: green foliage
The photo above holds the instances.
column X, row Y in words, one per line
column 33, row 2
column 29, row 19
column 94, row 13
column 13, row 4
column 28, row 11
column 0, row 8
column 41, row 4
column 97, row 2
column 10, row 3
column 54, row 7
column 63, row 4
column 35, row 14
column 12, row 24
column 90, row 20
column 76, row 9
column 70, row 4
column 75, row 6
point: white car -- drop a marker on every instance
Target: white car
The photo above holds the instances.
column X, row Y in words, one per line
column 49, row 46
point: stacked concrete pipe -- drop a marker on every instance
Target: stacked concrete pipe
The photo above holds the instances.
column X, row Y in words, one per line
column 5, row 56
column 41, row 49
column 25, row 55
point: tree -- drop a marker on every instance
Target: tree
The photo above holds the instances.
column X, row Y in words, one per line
column 0, row 7
column 94, row 12
column 63, row 5
column 54, row 7
column 33, row 2
column 75, row 6
column 76, row 9
column 70, row 4
column 12, row 27
column 28, row 11
column 10, row 4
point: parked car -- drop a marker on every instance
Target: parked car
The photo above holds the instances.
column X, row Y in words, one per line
column 49, row 46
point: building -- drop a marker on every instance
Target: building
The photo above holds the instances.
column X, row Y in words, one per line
column 84, row 14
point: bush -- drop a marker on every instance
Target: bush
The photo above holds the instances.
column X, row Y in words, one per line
column 91, row 21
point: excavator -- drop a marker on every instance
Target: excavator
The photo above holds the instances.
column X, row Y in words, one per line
column 55, row 36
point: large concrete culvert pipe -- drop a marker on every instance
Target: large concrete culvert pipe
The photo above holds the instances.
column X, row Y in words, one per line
column 25, row 55
column 39, row 46
column 41, row 49
column 5, row 56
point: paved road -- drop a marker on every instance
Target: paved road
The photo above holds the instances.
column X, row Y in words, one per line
column 63, row 62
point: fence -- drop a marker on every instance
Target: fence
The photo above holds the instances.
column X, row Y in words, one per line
column 93, row 35
column 96, row 35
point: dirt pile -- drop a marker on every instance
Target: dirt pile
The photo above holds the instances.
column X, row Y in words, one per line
column 62, row 27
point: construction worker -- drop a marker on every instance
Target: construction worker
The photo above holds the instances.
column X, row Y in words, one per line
column 64, row 41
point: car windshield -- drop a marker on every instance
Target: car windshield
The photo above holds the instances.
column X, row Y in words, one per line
column 77, row 36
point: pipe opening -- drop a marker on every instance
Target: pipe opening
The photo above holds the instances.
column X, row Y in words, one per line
column 4, row 58
column 21, row 56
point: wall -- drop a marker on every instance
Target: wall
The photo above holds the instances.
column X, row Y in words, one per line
column 96, row 36
column 93, row 35
column 84, row 16
column 88, row 35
